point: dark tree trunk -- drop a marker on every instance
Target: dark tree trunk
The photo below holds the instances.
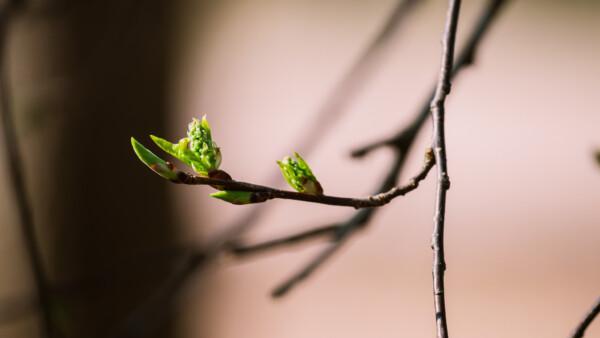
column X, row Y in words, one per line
column 104, row 221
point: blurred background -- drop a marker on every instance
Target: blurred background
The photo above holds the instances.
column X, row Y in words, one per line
column 523, row 223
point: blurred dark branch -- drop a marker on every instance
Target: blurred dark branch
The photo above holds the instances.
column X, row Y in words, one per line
column 402, row 143
column 465, row 58
column 16, row 171
column 346, row 89
column 262, row 193
column 439, row 149
column 240, row 249
column 587, row 320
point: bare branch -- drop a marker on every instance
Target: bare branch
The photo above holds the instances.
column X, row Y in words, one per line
column 587, row 320
column 17, row 179
column 402, row 143
column 439, row 148
column 262, row 193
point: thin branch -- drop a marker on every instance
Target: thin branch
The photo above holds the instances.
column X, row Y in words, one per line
column 587, row 320
column 242, row 250
column 262, row 193
column 439, row 148
column 465, row 58
column 17, row 179
column 317, row 262
column 402, row 143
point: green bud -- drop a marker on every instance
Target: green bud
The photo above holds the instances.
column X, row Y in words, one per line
column 198, row 150
column 234, row 197
column 298, row 174
column 202, row 144
column 157, row 164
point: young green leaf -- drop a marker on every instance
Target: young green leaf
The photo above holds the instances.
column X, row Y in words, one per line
column 198, row 150
column 234, row 197
column 157, row 164
column 299, row 175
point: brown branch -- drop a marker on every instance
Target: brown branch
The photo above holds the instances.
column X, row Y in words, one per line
column 587, row 320
column 439, row 148
column 263, row 193
column 402, row 143
column 17, row 179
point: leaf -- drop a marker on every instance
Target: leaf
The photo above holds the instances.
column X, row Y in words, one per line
column 234, row 197
column 181, row 152
column 155, row 163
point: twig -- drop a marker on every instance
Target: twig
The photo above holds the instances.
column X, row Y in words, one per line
column 401, row 144
column 587, row 320
column 262, row 193
column 17, row 180
column 439, row 148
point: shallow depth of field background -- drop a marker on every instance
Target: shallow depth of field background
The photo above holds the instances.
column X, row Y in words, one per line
column 523, row 216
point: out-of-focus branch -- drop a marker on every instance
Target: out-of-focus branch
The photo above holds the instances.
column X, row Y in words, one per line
column 16, row 171
column 402, row 143
column 465, row 58
column 587, row 320
column 347, row 87
column 242, row 250
column 443, row 180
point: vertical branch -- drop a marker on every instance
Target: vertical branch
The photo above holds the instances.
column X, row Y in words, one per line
column 439, row 148
column 17, row 179
column 587, row 320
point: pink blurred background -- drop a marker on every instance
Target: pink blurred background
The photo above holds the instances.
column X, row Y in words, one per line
column 523, row 235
